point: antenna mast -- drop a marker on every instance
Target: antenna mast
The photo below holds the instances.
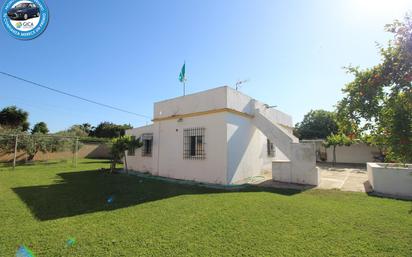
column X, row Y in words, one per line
column 239, row 83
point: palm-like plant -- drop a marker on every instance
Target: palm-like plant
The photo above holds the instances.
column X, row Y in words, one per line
column 119, row 146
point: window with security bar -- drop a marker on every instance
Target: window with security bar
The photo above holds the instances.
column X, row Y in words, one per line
column 147, row 140
column 194, row 144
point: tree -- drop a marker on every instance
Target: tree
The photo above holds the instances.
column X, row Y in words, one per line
column 29, row 144
column 14, row 118
column 74, row 131
column 109, row 130
column 378, row 102
column 119, row 146
column 7, row 140
column 317, row 124
column 337, row 140
column 40, row 127
column 86, row 127
column 32, row 144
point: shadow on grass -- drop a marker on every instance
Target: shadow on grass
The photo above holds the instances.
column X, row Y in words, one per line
column 82, row 192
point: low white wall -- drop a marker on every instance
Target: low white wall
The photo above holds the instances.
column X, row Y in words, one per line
column 356, row 153
column 304, row 170
column 301, row 169
column 281, row 171
column 390, row 180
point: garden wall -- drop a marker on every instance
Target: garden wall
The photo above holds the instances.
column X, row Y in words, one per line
column 301, row 169
column 359, row 153
column 98, row 151
column 391, row 179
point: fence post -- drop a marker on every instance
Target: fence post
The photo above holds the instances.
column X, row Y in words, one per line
column 76, row 149
column 15, row 152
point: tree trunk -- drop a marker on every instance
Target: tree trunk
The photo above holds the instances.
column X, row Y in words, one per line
column 30, row 157
column 113, row 166
column 334, row 155
column 125, row 164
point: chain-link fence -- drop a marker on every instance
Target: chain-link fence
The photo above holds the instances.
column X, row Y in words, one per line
column 18, row 149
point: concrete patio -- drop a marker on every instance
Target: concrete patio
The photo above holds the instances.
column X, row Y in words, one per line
column 341, row 177
column 345, row 178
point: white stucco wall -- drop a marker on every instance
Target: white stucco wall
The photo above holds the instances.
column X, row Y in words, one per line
column 238, row 101
column 168, row 149
column 199, row 102
column 390, row 180
column 139, row 162
column 356, row 153
column 247, row 149
column 304, row 170
column 300, row 169
column 218, row 98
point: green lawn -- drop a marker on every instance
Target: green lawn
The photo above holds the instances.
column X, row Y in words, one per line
column 42, row 206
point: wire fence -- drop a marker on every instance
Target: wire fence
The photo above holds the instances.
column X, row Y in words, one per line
column 18, row 149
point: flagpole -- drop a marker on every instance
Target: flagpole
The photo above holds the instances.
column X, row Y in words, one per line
column 184, row 86
column 182, row 78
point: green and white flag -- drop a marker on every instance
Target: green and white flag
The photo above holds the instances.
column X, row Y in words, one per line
column 182, row 75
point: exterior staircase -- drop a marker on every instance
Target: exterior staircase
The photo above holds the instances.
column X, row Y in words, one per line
column 297, row 163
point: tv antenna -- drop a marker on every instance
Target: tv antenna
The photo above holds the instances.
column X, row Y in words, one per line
column 239, row 84
column 270, row 106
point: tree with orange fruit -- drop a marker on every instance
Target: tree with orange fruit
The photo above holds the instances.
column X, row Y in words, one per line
column 378, row 102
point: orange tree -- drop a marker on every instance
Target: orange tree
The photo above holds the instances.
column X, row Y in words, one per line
column 378, row 102
column 335, row 140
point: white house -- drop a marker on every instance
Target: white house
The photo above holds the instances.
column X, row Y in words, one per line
column 221, row 136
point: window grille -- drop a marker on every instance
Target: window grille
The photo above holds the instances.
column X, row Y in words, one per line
column 270, row 149
column 147, row 140
column 131, row 151
column 194, row 144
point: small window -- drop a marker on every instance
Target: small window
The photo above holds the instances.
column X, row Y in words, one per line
column 131, row 151
column 194, row 144
column 147, row 140
column 270, row 148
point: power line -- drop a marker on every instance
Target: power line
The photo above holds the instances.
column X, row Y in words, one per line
column 71, row 95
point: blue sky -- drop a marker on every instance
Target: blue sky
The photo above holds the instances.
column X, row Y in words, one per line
column 129, row 54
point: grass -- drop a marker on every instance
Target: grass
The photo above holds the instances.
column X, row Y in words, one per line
column 44, row 205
